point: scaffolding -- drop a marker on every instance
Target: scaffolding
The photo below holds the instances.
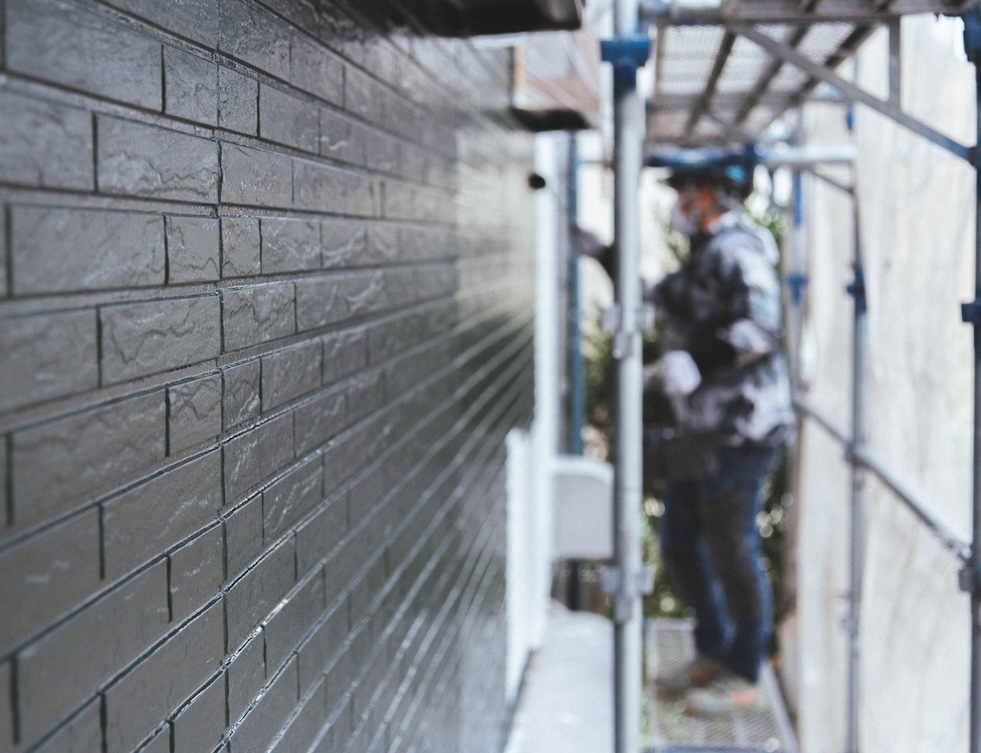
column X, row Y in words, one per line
column 746, row 63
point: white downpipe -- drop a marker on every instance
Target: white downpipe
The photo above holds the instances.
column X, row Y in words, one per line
column 549, row 322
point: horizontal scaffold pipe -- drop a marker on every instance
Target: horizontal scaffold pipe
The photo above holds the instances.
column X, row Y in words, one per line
column 862, row 456
column 661, row 13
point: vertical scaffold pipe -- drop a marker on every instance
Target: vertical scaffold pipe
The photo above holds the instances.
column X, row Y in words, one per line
column 857, row 517
column 628, row 119
column 577, row 377
column 971, row 313
column 975, row 566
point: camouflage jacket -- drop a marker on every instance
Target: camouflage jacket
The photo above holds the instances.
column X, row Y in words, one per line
column 723, row 306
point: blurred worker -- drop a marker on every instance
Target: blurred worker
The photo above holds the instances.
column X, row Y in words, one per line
column 724, row 372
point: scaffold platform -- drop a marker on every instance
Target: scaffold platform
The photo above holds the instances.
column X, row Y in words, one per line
column 765, row 729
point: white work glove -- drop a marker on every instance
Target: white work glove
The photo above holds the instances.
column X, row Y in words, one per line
column 678, row 373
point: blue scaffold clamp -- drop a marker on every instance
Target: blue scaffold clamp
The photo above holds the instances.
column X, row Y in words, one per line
column 857, row 291
column 797, row 282
column 971, row 312
column 627, row 54
column 972, row 33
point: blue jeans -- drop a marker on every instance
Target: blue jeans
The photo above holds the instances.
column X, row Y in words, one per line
column 711, row 548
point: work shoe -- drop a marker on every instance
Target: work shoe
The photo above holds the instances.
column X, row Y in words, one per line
column 694, row 674
column 728, row 692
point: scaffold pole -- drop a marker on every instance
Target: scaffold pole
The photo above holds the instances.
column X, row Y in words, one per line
column 627, row 52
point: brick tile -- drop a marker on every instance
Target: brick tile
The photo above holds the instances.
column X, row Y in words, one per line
column 159, row 744
column 288, row 120
column 148, row 520
column 192, row 249
column 54, row 677
column 321, row 534
column 240, row 246
column 243, row 532
column 305, row 726
column 344, row 354
column 197, row 571
column 316, row 70
column 291, row 498
column 146, row 338
column 190, row 86
column 256, row 455
column 337, row 735
column 261, row 725
column 6, row 707
column 140, row 160
column 48, row 356
column 81, row 50
column 382, row 152
column 340, row 139
column 47, row 575
column 197, row 20
column 364, row 593
column 241, row 393
column 58, row 466
column 363, row 95
column 82, row 733
column 284, row 630
column 251, row 316
column 345, row 244
column 200, row 725
column 325, row 188
column 255, row 36
column 44, row 144
column 194, row 412
column 246, row 676
column 162, row 681
column 57, row 250
column 250, row 600
column 288, row 374
column 238, row 98
column 324, row 643
column 290, row 245
column 320, row 420
column 343, row 459
column 366, row 396
column 256, row 177
column 4, row 252
column 319, row 303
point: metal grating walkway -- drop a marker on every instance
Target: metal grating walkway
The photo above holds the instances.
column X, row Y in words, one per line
column 766, row 730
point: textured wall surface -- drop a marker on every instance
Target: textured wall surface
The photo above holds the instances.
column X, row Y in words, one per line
column 265, row 321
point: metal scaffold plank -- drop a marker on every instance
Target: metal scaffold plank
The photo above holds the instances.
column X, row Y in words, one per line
column 764, row 729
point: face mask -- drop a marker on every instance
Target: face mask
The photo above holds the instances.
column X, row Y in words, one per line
column 686, row 224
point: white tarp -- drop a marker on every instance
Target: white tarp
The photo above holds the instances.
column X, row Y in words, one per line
column 917, row 228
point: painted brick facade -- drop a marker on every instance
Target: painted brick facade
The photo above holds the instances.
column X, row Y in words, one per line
column 265, row 321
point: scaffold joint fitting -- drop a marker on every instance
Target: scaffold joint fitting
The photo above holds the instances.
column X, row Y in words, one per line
column 797, row 282
column 627, row 54
column 969, row 578
column 971, row 312
column 972, row 34
column 857, row 291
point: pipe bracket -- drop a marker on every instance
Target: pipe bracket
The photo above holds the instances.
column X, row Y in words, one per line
column 627, row 54
column 624, row 591
column 797, row 282
column 971, row 312
column 969, row 579
column 972, row 34
column 857, row 291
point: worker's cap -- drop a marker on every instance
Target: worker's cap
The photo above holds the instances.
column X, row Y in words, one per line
column 729, row 169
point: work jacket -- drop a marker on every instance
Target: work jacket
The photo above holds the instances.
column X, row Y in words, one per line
column 723, row 307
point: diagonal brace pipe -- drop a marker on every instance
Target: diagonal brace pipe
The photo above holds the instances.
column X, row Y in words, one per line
column 854, row 93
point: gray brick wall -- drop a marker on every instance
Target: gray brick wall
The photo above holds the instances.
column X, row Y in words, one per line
column 265, row 321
